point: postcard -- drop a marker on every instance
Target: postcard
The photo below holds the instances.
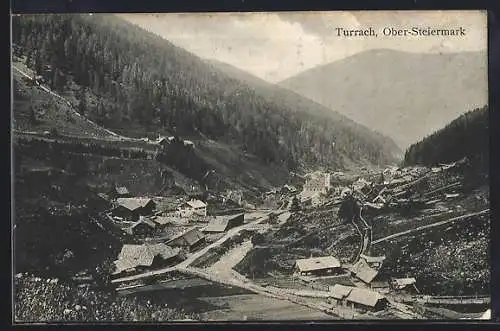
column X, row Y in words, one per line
column 285, row 166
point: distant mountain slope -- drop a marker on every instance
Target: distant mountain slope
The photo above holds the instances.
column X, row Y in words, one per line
column 402, row 95
column 466, row 136
column 136, row 83
column 37, row 110
column 292, row 100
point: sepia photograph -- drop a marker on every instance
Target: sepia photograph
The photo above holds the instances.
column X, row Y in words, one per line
column 250, row 166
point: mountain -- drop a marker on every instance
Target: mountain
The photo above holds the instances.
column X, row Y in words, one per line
column 292, row 100
column 466, row 136
column 138, row 84
column 402, row 95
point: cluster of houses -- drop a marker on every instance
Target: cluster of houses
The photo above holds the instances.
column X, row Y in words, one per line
column 164, row 242
column 365, row 270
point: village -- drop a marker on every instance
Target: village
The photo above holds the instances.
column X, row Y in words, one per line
column 326, row 249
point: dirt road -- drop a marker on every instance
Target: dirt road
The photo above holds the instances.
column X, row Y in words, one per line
column 425, row 227
column 232, row 232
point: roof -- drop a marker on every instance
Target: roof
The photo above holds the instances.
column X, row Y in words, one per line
column 364, row 296
column 192, row 236
column 367, row 274
column 373, row 259
column 196, row 204
column 132, row 256
column 220, row 223
column 133, row 203
column 340, row 291
column 161, row 220
column 146, row 221
column 317, row 263
column 166, row 252
column 364, row 272
column 402, row 282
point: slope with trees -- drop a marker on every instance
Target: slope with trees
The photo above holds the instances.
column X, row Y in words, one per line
column 467, row 136
column 137, row 84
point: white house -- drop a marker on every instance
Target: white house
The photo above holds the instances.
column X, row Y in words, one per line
column 193, row 207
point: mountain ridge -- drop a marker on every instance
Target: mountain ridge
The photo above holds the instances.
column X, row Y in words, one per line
column 136, row 83
column 293, row 99
column 399, row 88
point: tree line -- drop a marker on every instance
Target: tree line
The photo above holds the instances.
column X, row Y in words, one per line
column 466, row 136
column 135, row 82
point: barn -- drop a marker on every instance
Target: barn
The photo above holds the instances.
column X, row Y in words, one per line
column 224, row 223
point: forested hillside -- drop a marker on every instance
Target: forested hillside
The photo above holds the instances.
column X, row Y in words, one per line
column 466, row 136
column 137, row 84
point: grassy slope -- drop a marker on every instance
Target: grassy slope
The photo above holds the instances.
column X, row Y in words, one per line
column 52, row 112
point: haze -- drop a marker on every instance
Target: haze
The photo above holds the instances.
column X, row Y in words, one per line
column 276, row 46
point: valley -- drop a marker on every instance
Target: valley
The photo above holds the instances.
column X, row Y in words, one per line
column 152, row 185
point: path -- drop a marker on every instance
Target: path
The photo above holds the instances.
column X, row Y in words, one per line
column 184, row 264
column 114, row 134
column 230, row 259
column 425, row 227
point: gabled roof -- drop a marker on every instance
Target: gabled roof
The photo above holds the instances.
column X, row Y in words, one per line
column 132, row 256
column 196, row 204
column 364, row 272
column 317, row 263
column 161, row 220
column 220, row 223
column 162, row 250
column 340, row 291
column 217, row 225
column 403, row 282
column 146, row 221
column 133, row 203
column 192, row 236
column 364, row 296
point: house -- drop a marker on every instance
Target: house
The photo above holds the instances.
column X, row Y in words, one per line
column 317, row 182
column 404, row 284
column 224, row 223
column 190, row 239
column 141, row 257
column 364, row 272
column 143, row 226
column 119, row 192
column 373, row 261
column 340, row 293
column 193, row 206
column 132, row 208
column 317, row 266
column 363, row 298
column 161, row 221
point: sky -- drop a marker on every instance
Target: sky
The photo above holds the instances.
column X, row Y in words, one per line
column 276, row 46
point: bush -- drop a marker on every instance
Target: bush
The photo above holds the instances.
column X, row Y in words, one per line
column 48, row 300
